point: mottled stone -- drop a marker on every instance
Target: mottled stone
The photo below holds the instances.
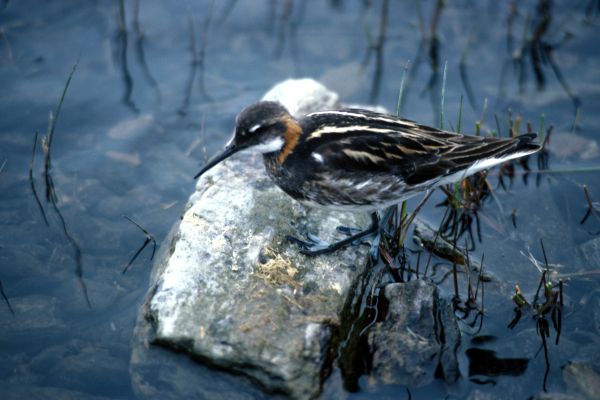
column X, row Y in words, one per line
column 417, row 341
column 233, row 292
column 303, row 96
column 582, row 378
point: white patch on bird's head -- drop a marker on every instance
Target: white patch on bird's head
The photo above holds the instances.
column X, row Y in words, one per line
column 269, row 146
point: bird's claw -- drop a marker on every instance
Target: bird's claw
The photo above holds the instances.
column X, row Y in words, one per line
column 354, row 231
column 312, row 247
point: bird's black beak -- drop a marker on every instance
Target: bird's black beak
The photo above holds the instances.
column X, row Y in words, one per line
column 229, row 150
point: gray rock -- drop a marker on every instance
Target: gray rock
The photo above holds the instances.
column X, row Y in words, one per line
column 231, row 291
column 303, row 96
column 583, row 379
column 418, row 336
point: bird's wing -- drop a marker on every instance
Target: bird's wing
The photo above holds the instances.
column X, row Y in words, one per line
column 360, row 141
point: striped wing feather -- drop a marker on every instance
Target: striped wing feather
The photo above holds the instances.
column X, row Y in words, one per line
column 361, row 141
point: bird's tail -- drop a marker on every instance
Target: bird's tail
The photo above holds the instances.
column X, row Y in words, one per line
column 526, row 145
column 521, row 146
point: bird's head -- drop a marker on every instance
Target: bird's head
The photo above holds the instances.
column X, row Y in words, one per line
column 261, row 128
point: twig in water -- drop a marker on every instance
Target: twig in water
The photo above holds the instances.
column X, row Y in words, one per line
column 50, row 137
column 412, row 216
column 435, row 238
column 32, row 182
column 6, row 299
column 78, row 254
column 593, row 207
column 50, row 189
column 149, row 238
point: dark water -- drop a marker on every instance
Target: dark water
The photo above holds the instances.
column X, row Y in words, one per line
column 146, row 105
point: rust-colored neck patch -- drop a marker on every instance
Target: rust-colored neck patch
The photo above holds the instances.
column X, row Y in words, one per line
column 290, row 137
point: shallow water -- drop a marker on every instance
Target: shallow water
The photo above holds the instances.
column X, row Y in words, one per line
column 142, row 113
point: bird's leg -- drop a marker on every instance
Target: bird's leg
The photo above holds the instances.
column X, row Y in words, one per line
column 387, row 214
column 375, row 237
column 316, row 246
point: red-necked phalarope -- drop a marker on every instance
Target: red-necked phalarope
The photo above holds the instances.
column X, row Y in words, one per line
column 358, row 160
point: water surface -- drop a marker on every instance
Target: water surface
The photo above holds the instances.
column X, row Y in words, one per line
column 147, row 104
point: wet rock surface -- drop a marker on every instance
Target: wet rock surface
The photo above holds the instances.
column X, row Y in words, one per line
column 583, row 379
column 233, row 292
column 417, row 340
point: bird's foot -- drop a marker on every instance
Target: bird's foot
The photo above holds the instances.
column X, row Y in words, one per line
column 372, row 238
column 372, row 235
column 314, row 246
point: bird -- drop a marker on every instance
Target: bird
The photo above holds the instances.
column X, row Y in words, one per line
column 357, row 160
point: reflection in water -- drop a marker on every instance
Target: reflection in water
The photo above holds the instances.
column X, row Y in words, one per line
column 430, row 42
column 120, row 55
column 8, row 49
column 283, row 25
column 485, row 362
column 12, row 311
column 536, row 50
column 286, row 28
column 198, row 59
column 543, row 158
column 139, row 47
column 377, row 47
column 592, row 9
column 227, row 9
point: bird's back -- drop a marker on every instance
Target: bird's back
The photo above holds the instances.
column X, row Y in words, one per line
column 355, row 158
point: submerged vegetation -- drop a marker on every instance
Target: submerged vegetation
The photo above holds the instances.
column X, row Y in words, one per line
column 50, row 190
column 457, row 236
